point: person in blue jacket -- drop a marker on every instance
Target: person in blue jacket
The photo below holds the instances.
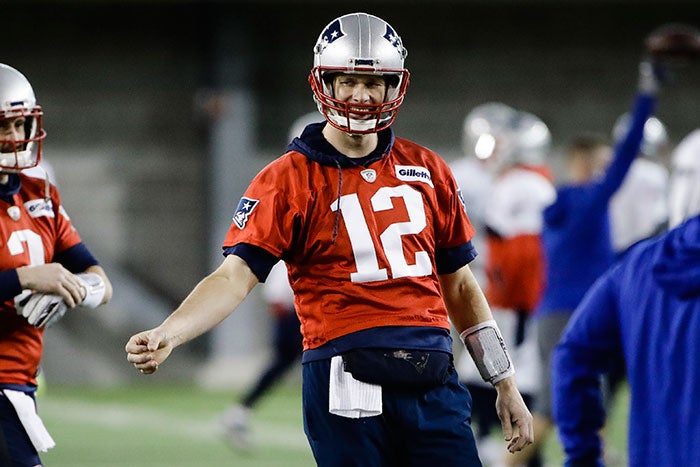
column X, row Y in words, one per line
column 576, row 235
column 647, row 307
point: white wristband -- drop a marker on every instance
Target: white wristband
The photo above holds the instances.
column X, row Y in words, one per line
column 94, row 287
column 488, row 350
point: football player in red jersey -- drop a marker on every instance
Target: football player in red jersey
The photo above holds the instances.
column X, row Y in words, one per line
column 377, row 244
column 45, row 269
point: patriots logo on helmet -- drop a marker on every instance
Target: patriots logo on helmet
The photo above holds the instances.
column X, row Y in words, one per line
column 394, row 39
column 245, row 207
column 332, row 33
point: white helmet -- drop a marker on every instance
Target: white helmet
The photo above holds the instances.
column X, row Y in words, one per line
column 655, row 139
column 484, row 127
column 17, row 100
column 359, row 43
column 501, row 135
column 684, row 191
column 533, row 140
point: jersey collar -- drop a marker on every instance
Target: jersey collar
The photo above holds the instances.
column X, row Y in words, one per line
column 313, row 145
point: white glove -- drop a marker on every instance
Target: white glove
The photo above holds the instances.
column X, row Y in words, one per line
column 94, row 287
column 44, row 309
column 41, row 309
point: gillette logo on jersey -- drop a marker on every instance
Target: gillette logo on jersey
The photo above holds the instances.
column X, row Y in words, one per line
column 39, row 207
column 245, row 207
column 413, row 173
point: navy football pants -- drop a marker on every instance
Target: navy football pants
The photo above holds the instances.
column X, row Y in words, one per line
column 416, row 428
column 15, row 447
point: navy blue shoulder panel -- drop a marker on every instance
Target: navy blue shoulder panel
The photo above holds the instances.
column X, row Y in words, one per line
column 259, row 260
column 76, row 258
column 449, row 260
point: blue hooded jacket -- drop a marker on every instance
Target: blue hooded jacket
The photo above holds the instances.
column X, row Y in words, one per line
column 648, row 307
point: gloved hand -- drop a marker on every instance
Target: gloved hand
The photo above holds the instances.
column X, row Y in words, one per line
column 41, row 309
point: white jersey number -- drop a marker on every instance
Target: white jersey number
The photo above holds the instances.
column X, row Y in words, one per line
column 363, row 247
column 17, row 241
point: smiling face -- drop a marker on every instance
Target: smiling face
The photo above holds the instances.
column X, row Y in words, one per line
column 359, row 89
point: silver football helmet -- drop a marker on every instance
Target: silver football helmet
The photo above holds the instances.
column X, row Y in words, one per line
column 501, row 136
column 487, row 127
column 366, row 44
column 17, row 100
column 533, row 140
column 655, row 140
column 684, row 186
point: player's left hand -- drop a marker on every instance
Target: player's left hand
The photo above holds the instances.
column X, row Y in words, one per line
column 147, row 350
column 516, row 419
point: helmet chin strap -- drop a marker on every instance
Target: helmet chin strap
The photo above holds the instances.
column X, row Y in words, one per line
column 19, row 159
column 361, row 125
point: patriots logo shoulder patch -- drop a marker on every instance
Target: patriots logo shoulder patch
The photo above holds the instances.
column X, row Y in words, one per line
column 461, row 199
column 245, row 207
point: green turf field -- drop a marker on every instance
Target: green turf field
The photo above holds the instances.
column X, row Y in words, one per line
column 173, row 425
column 156, row 425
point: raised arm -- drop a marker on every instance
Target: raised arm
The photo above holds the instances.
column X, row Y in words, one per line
column 627, row 149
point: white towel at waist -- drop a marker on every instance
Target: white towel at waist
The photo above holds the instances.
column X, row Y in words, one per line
column 26, row 411
column 349, row 397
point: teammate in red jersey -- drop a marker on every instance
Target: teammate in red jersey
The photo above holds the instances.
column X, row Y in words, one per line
column 45, row 270
column 377, row 243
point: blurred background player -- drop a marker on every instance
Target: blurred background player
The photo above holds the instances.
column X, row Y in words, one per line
column 286, row 336
column 577, row 235
column 648, row 308
column 509, row 184
column 473, row 174
column 45, row 269
column 639, row 209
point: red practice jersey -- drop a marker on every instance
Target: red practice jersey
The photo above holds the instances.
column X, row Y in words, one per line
column 32, row 232
column 516, row 265
column 360, row 241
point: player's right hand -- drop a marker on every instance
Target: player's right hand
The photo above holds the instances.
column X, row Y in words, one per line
column 52, row 278
column 147, row 350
